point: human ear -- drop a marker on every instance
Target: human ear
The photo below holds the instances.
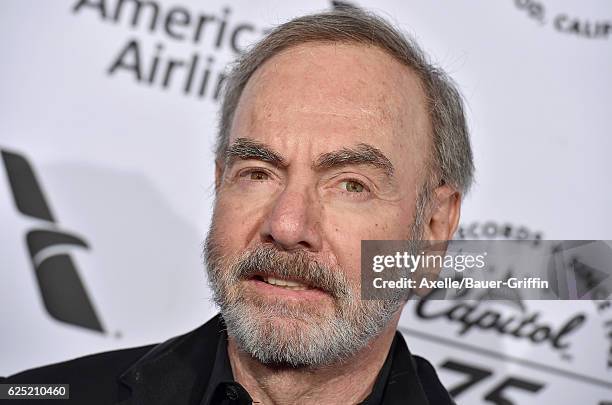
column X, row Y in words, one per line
column 443, row 214
column 218, row 174
column 441, row 221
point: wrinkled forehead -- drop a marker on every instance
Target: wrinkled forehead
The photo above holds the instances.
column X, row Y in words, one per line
column 336, row 94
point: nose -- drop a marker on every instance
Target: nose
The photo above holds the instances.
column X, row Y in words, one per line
column 293, row 222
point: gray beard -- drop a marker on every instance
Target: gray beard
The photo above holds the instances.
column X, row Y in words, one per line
column 299, row 336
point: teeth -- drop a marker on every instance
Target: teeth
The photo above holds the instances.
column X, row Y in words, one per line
column 291, row 285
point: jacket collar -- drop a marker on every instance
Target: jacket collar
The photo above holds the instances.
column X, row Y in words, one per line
column 175, row 371
column 188, row 369
column 403, row 385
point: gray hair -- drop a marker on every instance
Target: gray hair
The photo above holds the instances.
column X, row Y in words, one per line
column 450, row 159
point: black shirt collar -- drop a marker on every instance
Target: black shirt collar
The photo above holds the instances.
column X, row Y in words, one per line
column 195, row 369
column 222, row 388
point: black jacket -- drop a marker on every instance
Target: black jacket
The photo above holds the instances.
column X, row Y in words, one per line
column 194, row 369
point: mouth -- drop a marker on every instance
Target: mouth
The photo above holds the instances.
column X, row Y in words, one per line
column 283, row 283
column 275, row 286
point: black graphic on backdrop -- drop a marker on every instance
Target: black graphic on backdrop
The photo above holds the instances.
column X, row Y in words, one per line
column 475, row 375
column 61, row 288
column 343, row 5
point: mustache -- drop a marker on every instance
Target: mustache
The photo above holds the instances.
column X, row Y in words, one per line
column 299, row 266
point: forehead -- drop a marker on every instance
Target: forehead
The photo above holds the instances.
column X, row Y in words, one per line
column 333, row 95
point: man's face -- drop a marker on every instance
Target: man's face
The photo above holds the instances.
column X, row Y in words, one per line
column 327, row 148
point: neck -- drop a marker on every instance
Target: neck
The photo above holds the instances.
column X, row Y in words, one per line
column 351, row 382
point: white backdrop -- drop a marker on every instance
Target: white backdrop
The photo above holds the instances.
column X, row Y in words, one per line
column 124, row 162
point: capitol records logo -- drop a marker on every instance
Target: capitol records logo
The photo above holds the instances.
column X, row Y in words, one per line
column 507, row 318
column 493, row 230
column 512, row 318
column 520, row 325
column 582, row 280
column 604, row 308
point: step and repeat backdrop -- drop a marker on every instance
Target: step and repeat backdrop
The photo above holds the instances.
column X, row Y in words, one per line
column 107, row 119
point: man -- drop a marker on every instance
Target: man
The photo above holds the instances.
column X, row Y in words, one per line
column 334, row 129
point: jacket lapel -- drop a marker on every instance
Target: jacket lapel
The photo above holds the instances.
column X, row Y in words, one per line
column 174, row 372
column 403, row 384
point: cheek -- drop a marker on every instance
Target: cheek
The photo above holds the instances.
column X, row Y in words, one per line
column 236, row 222
column 345, row 230
column 390, row 221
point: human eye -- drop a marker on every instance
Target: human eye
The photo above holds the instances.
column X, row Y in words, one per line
column 354, row 188
column 254, row 175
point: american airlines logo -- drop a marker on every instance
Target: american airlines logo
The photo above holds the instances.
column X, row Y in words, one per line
column 63, row 293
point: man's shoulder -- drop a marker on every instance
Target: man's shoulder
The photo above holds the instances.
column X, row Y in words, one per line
column 108, row 377
column 97, row 366
column 112, row 364
column 104, row 372
column 92, row 379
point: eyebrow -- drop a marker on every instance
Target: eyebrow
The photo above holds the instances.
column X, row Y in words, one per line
column 244, row 149
column 360, row 154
